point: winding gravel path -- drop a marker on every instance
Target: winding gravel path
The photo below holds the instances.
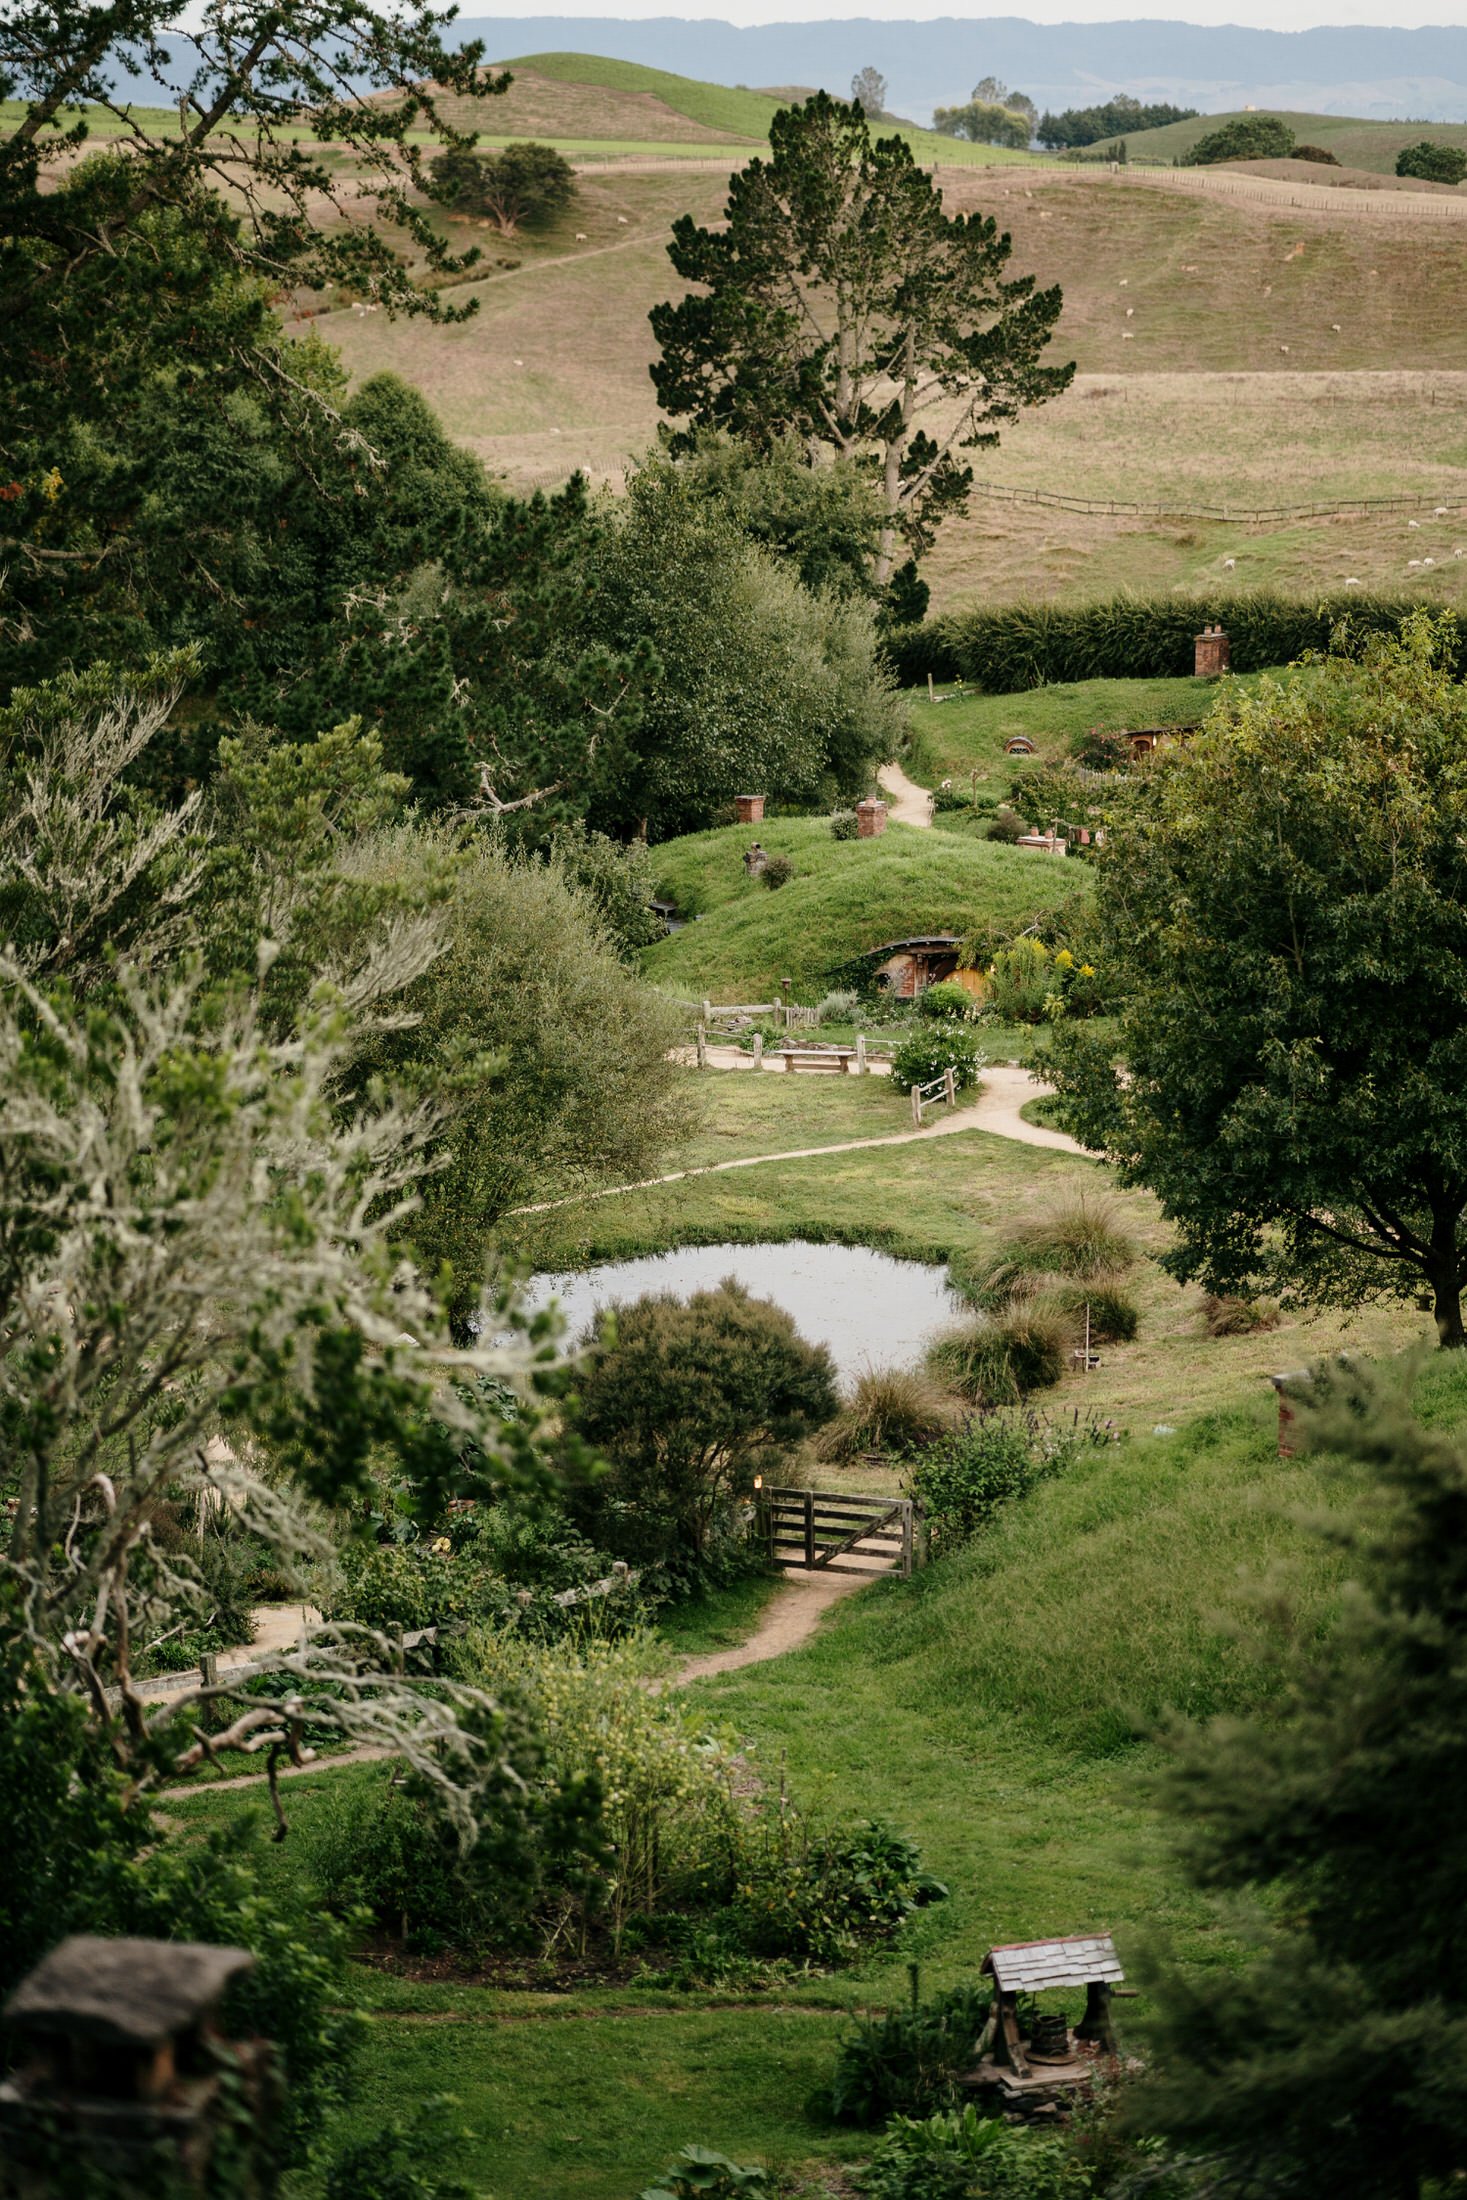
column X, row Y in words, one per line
column 908, row 803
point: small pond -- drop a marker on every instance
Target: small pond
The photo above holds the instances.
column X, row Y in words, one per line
column 867, row 1307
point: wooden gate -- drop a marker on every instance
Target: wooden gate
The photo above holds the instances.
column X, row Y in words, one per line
column 818, row 1528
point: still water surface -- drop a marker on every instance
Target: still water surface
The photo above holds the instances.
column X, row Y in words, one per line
column 868, row 1308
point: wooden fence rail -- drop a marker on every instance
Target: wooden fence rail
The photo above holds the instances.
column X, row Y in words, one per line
column 817, row 1528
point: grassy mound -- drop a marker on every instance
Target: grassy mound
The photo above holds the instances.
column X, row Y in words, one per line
column 846, row 897
column 967, row 732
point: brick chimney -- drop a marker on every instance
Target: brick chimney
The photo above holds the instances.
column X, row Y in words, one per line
column 870, row 819
column 749, row 809
column 1212, row 653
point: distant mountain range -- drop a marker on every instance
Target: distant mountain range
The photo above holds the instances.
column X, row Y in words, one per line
column 1381, row 74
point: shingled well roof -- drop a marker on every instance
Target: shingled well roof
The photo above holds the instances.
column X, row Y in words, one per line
column 1029, row 1965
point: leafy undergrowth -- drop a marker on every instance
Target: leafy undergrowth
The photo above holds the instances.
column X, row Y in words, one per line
column 846, row 898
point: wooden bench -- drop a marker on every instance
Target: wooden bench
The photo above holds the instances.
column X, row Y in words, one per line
column 841, row 1058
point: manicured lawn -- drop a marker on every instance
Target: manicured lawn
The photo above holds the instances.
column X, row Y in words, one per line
column 846, row 897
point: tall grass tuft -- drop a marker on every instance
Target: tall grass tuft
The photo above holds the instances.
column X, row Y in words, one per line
column 1083, row 1241
column 890, row 1409
column 998, row 1359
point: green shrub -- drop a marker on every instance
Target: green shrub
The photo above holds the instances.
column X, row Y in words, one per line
column 1247, row 137
column 777, row 871
column 819, row 1897
column 891, row 1409
column 402, row 2160
column 685, row 1399
column 907, row 2062
column 1431, row 163
column 839, row 1007
column 946, row 999
column 958, row 2155
column 844, row 825
column 1006, row 825
column 1317, row 154
column 991, row 1459
column 999, row 1358
column 700, row 2174
column 925, row 1054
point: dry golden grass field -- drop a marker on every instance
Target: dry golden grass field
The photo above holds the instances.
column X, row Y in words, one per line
column 1232, row 354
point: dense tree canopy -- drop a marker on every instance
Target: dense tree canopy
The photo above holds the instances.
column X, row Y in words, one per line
column 1079, row 126
column 838, row 303
column 1333, row 2061
column 984, row 122
column 1287, row 915
column 1246, row 137
column 758, row 683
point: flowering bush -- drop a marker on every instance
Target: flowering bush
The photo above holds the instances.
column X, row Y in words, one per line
column 1031, row 983
column 930, row 1050
column 947, row 999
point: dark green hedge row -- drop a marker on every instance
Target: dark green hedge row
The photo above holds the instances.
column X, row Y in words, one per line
column 1029, row 645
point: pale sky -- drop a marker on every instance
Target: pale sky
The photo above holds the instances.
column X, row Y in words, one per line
column 1269, row 15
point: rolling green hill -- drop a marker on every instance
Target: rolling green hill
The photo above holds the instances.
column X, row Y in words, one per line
column 846, row 896
column 1354, row 143
column 738, row 114
column 728, row 110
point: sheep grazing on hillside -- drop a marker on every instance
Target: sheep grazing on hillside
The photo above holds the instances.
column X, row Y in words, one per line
column 1413, row 523
column 1125, row 282
column 1439, row 511
column 1428, row 561
column 621, row 221
column 1230, row 565
column 1283, row 348
column 1335, row 326
column 1353, row 581
column 1412, row 564
column 1130, row 313
column 580, row 236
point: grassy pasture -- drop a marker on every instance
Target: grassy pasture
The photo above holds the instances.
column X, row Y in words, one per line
column 1201, row 406
column 1354, row 142
column 964, row 733
column 846, row 896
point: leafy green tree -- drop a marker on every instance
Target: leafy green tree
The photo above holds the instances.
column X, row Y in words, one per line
column 545, row 1058
column 825, row 521
column 984, row 122
column 523, row 186
column 1247, row 137
column 1334, row 2061
column 686, row 1399
column 1433, row 163
column 247, row 98
column 1287, row 918
column 837, row 302
column 758, row 683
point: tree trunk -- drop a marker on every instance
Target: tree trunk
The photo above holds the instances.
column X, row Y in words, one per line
column 1443, row 1273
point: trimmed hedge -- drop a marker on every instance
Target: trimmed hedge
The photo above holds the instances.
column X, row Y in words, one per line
column 1030, row 645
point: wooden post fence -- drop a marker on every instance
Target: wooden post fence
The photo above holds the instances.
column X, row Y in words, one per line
column 702, row 1046
column 810, row 1528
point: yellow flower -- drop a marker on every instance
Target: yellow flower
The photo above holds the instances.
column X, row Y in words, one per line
column 1087, row 970
column 1064, row 960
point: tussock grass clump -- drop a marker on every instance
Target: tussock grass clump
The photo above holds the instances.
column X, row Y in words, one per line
column 1238, row 1317
column 1081, row 1241
column 998, row 1359
column 1084, row 1238
column 891, row 1409
column 1114, row 1314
